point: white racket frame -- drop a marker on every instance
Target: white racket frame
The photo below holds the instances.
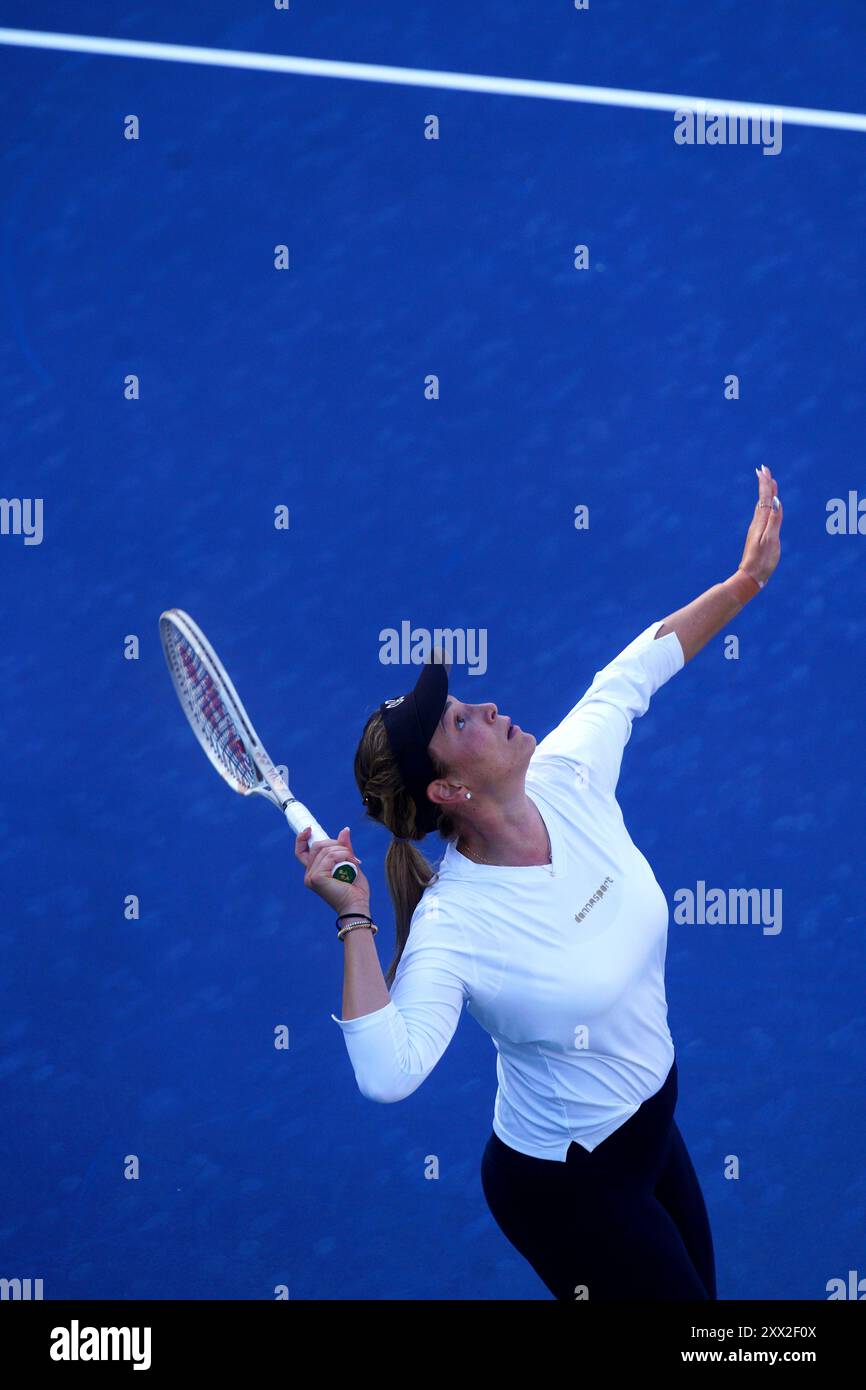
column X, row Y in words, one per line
column 273, row 786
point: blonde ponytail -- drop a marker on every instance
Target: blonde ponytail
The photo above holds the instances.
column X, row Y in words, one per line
column 408, row 872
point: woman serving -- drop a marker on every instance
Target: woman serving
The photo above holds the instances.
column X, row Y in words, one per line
column 547, row 922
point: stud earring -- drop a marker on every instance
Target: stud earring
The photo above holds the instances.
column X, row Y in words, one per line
column 468, row 796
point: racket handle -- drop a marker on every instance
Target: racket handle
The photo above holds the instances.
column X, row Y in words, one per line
column 299, row 817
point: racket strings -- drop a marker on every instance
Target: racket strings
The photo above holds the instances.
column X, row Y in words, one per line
column 217, row 725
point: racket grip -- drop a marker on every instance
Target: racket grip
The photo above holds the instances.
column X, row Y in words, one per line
column 299, row 817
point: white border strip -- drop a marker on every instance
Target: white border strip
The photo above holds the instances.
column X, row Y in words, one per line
column 421, row 77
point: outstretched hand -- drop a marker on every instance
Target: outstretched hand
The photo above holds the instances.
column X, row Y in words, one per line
column 763, row 547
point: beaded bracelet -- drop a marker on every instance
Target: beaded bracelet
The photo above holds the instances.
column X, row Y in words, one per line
column 368, row 926
column 361, row 920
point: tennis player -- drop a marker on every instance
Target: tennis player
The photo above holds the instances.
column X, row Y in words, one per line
column 548, row 923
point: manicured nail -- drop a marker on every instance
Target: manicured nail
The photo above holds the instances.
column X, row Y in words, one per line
column 776, row 504
column 764, row 468
column 758, row 471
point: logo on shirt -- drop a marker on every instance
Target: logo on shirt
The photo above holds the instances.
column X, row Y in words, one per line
column 596, row 898
column 389, row 704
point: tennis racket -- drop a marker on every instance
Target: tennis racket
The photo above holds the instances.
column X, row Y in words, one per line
column 222, row 726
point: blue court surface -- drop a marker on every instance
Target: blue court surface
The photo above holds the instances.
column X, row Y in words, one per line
column 410, row 257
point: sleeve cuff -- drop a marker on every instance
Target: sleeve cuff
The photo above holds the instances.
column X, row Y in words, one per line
column 673, row 641
column 356, row 1025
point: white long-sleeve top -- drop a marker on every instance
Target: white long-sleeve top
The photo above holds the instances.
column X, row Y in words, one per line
column 562, row 964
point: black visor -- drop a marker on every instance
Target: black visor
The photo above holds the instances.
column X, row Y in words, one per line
column 410, row 723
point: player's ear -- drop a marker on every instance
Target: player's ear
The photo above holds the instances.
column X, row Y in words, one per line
column 443, row 793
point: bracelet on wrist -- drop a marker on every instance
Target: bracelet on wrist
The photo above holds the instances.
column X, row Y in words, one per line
column 353, row 926
column 356, row 919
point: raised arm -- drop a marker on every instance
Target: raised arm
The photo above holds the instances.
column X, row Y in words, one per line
column 592, row 736
column 712, row 610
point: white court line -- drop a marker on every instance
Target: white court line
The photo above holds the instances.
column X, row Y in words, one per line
column 421, row 77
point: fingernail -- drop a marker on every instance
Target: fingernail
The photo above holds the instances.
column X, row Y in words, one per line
column 776, row 504
column 764, row 468
column 758, row 471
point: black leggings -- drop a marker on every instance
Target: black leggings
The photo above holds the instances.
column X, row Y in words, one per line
column 627, row 1221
